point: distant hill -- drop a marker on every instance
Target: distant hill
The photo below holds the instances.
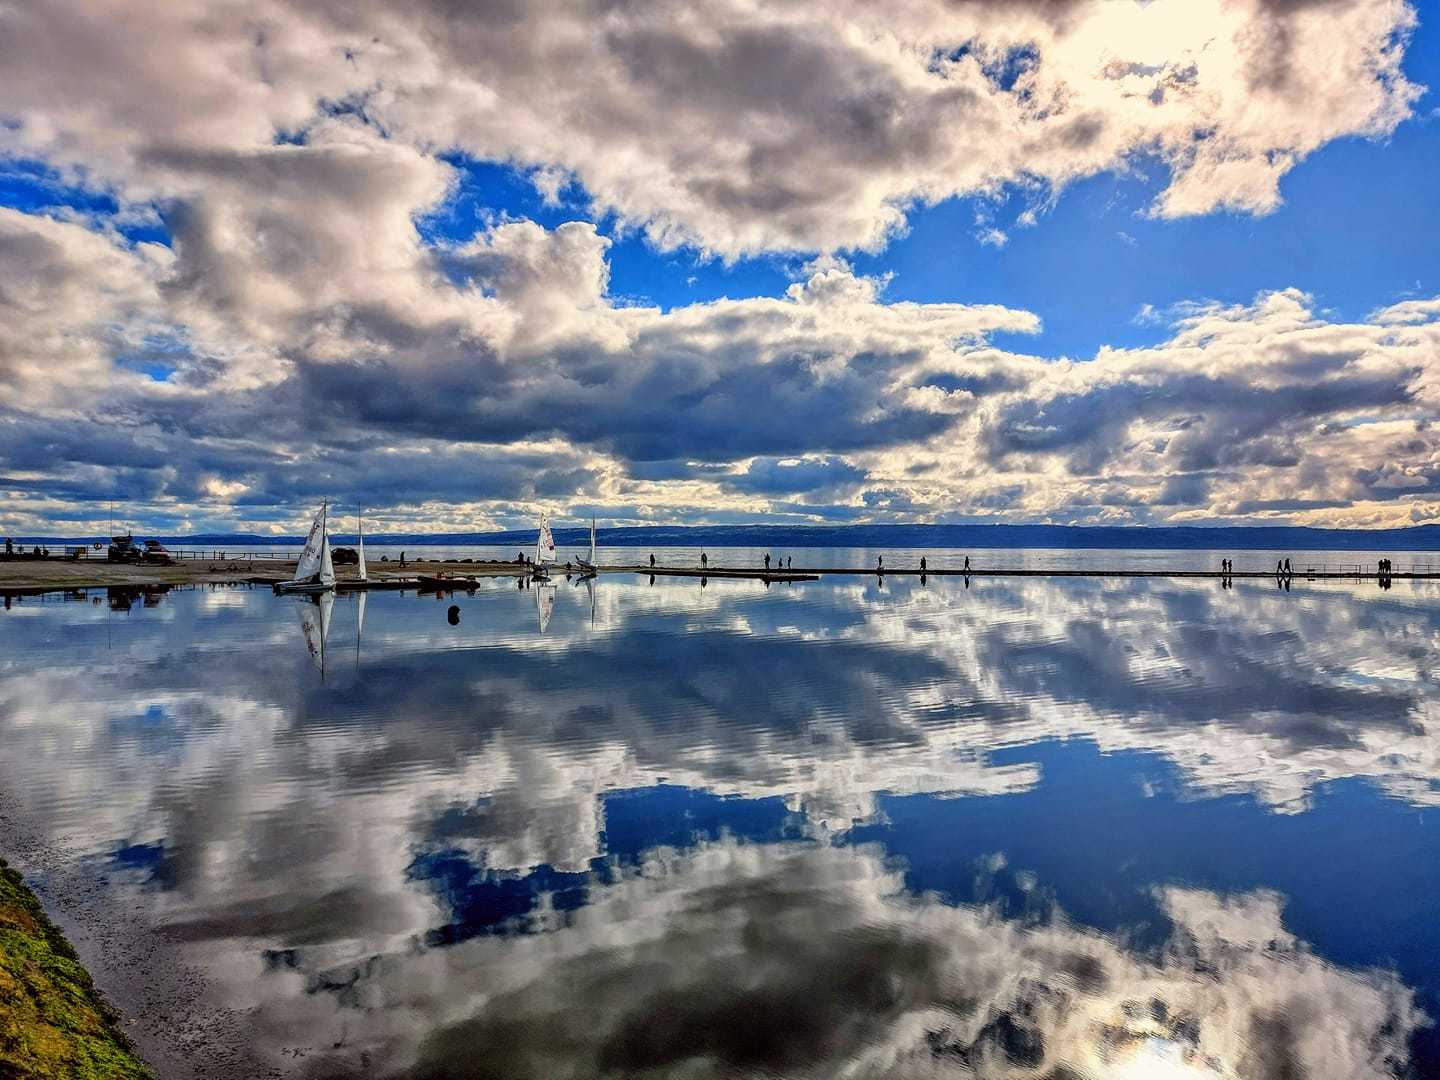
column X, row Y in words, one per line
column 1236, row 538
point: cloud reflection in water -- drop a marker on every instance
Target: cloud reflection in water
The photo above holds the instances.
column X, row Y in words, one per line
column 437, row 848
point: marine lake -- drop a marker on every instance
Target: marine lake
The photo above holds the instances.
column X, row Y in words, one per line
column 1009, row 827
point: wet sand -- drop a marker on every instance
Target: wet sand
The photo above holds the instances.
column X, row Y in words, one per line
column 19, row 576
column 43, row 575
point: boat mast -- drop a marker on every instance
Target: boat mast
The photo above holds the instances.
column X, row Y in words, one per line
column 360, row 523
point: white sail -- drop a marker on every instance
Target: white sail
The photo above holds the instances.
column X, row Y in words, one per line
column 364, row 574
column 310, row 556
column 544, row 604
column 592, row 541
column 327, row 567
column 315, row 625
column 545, row 543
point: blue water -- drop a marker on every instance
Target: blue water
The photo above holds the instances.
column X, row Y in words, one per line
column 897, row 558
column 1121, row 827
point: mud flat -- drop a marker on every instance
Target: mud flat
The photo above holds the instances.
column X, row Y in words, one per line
column 19, row 576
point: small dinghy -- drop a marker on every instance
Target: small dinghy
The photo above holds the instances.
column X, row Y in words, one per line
column 315, row 573
column 588, row 567
column 544, row 551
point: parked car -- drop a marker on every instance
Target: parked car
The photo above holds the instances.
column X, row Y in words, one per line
column 156, row 555
column 124, row 549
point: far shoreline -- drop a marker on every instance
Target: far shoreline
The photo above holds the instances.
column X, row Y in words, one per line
column 21, row 577
column 763, row 535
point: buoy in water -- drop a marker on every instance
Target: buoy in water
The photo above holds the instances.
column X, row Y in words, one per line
column 453, row 615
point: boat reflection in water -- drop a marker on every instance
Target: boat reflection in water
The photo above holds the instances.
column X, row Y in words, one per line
column 315, row 612
column 544, row 602
column 1033, row 829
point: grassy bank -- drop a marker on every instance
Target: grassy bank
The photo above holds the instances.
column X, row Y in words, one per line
column 53, row 1021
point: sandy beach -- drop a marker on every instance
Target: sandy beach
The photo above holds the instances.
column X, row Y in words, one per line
column 23, row 575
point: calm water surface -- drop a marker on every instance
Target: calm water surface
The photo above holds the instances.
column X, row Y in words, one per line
column 1024, row 828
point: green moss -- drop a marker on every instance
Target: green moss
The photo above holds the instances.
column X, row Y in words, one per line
column 53, row 1021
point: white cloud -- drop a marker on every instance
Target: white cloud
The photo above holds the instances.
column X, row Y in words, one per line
column 70, row 301
column 291, row 149
column 510, row 341
column 1408, row 312
column 730, row 127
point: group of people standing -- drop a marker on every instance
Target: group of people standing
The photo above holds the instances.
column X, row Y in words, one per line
column 880, row 564
column 787, row 562
column 1386, row 569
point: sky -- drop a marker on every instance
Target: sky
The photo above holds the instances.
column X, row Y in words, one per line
column 1013, row 261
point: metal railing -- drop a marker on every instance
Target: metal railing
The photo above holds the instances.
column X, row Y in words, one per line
column 1366, row 569
column 178, row 554
column 226, row 555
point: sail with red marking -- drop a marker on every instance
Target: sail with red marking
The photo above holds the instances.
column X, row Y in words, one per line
column 315, row 570
column 315, row 625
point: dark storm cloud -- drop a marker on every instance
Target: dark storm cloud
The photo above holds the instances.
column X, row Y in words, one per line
column 668, row 399
column 1217, row 421
column 95, row 461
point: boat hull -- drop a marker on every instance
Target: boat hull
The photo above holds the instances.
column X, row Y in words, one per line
column 308, row 587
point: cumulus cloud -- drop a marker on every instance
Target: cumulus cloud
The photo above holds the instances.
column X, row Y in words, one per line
column 734, row 129
column 513, row 351
column 74, row 306
column 299, row 314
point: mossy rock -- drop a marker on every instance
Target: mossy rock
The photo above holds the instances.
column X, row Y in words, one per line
column 53, row 1021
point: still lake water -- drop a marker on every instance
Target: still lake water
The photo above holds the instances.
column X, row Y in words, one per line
column 1031, row 828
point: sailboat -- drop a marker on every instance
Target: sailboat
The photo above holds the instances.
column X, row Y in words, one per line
column 362, row 573
column 315, row 572
column 588, row 566
column 315, row 625
column 544, row 549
